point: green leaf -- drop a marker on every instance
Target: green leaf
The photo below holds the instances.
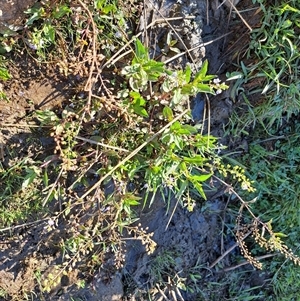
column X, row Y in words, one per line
column 201, row 178
column 109, row 9
column 155, row 169
column 199, row 189
column 174, row 49
column 175, row 126
column 189, row 128
column 202, row 73
column 45, row 178
column 153, row 69
column 99, row 3
column 46, row 117
column 287, row 7
column 167, row 138
column 182, row 189
column 28, row 180
column 168, row 113
column 140, row 111
column 49, row 32
column 279, row 234
column 167, row 85
column 234, row 75
column 197, row 159
column 4, row 74
column 137, row 98
column 141, row 51
column 205, row 88
column 131, row 200
column 187, row 73
column 183, row 131
column 188, row 89
column 177, row 97
column 32, row 173
column 138, row 104
column 183, row 168
column 61, row 11
column 208, row 77
column 37, row 14
column 178, row 142
column 287, row 24
column 67, row 211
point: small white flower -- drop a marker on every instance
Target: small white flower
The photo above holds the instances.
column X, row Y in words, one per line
column 219, row 91
column 216, row 81
column 50, row 222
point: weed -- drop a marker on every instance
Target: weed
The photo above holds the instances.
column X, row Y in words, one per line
column 275, row 47
column 20, row 191
column 138, row 135
column 286, row 282
column 4, row 74
column 272, row 127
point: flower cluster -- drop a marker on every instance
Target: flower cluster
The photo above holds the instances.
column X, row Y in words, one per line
column 236, row 173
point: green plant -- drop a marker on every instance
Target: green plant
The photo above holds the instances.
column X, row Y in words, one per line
column 274, row 47
column 175, row 156
column 181, row 155
column 286, row 282
column 20, row 190
column 138, row 135
column 269, row 118
column 40, row 38
column 4, row 74
column 272, row 162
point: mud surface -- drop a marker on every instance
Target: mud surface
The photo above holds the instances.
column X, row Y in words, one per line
column 188, row 241
column 12, row 14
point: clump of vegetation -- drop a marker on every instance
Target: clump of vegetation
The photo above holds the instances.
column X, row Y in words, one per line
column 273, row 78
column 270, row 125
column 136, row 124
